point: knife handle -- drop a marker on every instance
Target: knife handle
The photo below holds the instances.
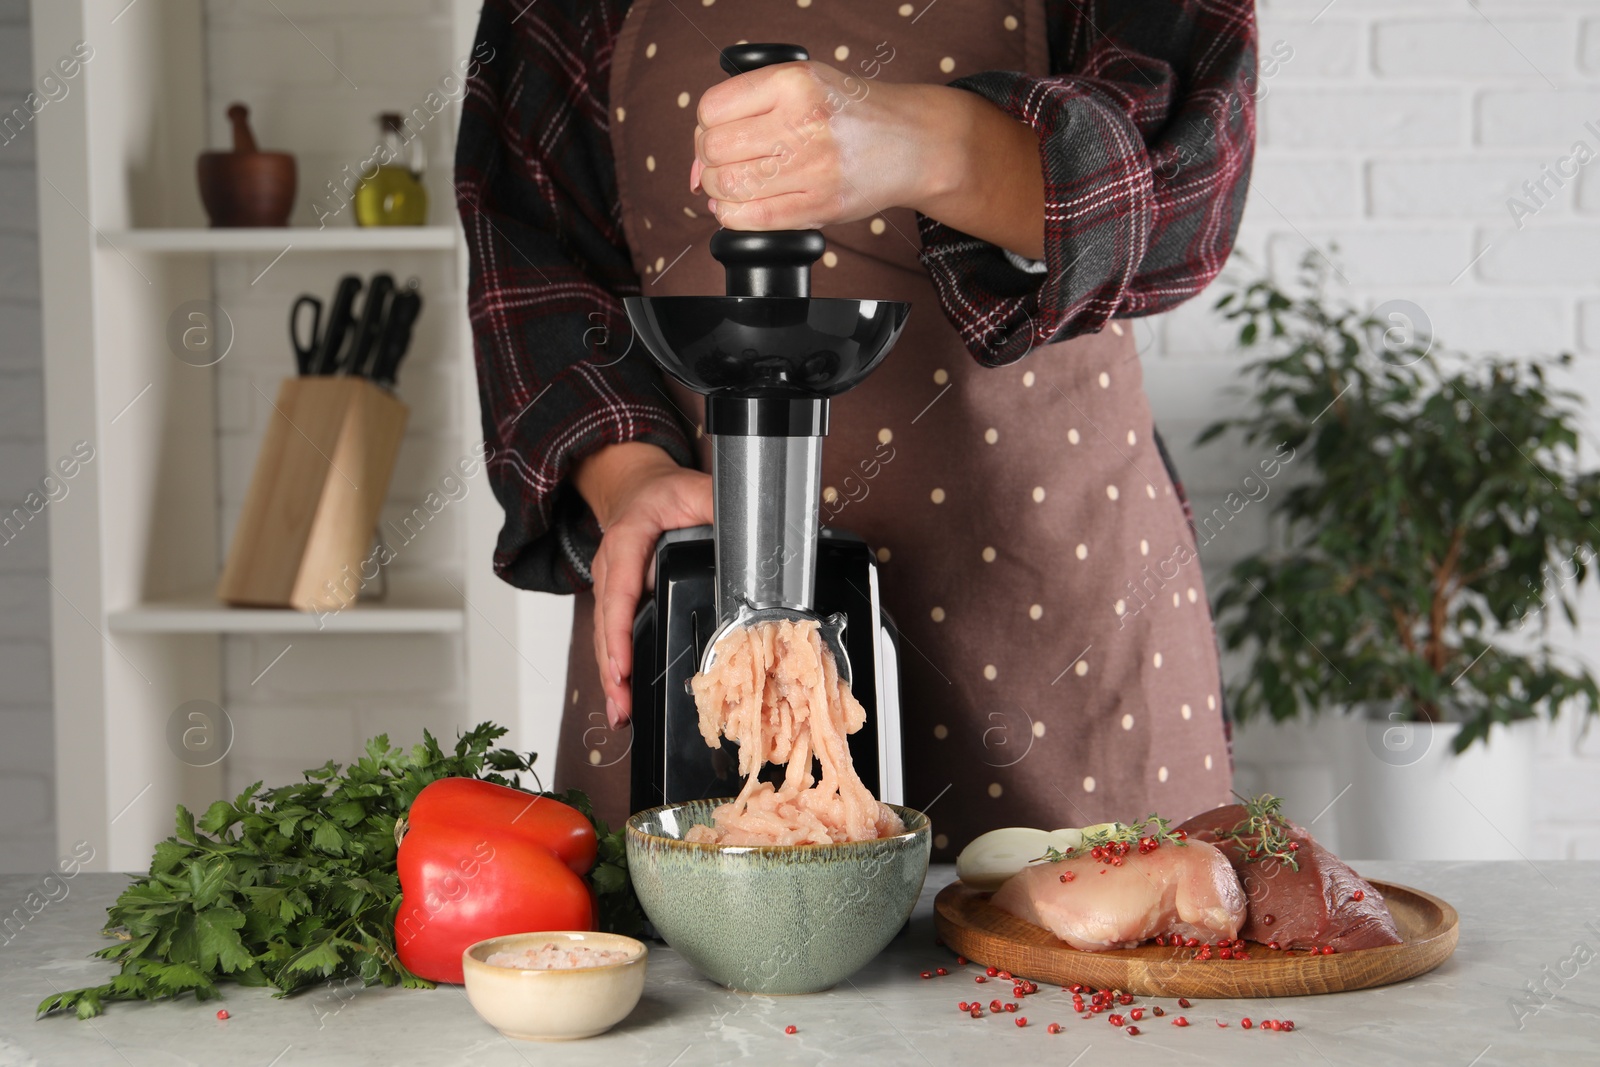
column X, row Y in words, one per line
column 339, row 318
column 374, row 313
column 407, row 305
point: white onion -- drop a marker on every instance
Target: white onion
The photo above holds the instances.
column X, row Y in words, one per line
column 989, row 860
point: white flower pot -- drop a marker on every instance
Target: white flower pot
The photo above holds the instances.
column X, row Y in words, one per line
column 1412, row 797
column 1396, row 789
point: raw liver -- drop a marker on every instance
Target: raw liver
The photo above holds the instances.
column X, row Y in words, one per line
column 1313, row 906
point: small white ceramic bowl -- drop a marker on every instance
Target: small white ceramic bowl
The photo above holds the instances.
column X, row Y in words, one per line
column 558, row 1004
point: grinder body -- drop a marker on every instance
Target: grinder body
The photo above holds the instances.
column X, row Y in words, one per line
column 767, row 356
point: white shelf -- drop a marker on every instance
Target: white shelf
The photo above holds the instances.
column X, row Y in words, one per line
column 407, row 609
column 277, row 240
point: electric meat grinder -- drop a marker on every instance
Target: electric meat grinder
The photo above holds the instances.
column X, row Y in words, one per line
column 767, row 357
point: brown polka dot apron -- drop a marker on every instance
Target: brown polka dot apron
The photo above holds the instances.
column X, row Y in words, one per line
column 1057, row 659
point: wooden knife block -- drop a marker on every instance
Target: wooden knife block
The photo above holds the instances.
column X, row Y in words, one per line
column 319, row 483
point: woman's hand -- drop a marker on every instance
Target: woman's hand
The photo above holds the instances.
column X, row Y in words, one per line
column 804, row 145
column 637, row 492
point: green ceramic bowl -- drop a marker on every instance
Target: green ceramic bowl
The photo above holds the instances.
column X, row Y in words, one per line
column 774, row 918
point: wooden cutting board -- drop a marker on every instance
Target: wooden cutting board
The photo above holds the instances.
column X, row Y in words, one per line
column 984, row 934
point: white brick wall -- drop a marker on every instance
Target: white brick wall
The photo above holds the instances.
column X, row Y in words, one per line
column 27, row 832
column 1398, row 129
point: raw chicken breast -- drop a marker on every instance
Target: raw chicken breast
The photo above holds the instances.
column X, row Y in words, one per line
column 1314, row 906
column 1188, row 889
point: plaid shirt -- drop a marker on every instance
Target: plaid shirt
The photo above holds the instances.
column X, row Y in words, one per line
column 1146, row 128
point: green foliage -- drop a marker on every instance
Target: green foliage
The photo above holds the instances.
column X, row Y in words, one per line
column 1445, row 517
column 294, row 886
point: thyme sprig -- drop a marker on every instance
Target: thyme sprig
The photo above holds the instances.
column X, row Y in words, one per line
column 1263, row 832
column 1117, row 839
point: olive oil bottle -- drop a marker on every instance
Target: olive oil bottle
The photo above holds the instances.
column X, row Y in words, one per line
column 395, row 195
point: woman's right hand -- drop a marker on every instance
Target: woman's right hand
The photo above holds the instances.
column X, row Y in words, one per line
column 637, row 492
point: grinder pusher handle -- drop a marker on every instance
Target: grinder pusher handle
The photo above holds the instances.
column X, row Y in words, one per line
column 766, row 262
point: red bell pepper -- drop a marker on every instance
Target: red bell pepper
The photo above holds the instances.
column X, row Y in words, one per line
column 480, row 860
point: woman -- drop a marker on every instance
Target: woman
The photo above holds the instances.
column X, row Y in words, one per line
column 1024, row 173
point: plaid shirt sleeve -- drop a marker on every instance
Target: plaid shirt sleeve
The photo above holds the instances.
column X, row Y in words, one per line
column 537, row 195
column 1146, row 131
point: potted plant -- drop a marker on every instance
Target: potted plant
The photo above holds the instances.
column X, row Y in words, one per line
column 1436, row 520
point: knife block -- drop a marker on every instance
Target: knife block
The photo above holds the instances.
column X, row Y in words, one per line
column 306, row 532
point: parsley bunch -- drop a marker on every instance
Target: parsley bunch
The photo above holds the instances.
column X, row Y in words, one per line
column 293, row 886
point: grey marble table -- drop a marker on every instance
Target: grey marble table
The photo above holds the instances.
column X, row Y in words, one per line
column 1520, row 924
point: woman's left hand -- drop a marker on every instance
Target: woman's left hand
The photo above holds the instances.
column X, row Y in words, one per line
column 805, row 145
column 802, row 145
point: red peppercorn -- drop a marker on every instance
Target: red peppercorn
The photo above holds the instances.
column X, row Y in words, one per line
column 1133, row 1031
column 1006, row 975
column 995, row 1005
column 1359, row 894
column 1069, row 876
column 1327, row 950
column 941, row 972
column 1273, row 944
column 1246, row 1023
column 1183, row 1002
column 1267, row 920
column 1226, row 954
column 961, row 961
column 1180, row 1021
column 1160, row 940
column 1136, row 1014
column 980, row 978
column 1053, row 1028
column 1022, row 1020
column 222, row 1014
column 790, row 1029
column 1126, row 998
column 1237, row 945
column 1222, row 1024
column 927, row 974
column 1270, row 1024
column 977, row 1013
column 1288, row 1024
column 990, row 971
column 1190, row 942
column 1157, row 1011
column 964, row 1006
